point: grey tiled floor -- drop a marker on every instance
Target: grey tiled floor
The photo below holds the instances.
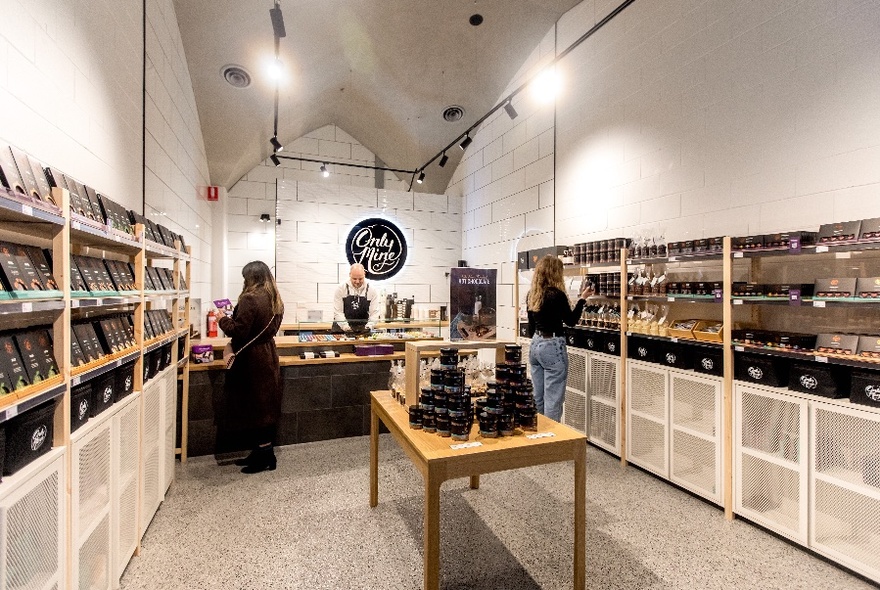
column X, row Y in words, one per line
column 308, row 525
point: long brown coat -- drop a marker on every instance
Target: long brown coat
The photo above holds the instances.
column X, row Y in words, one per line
column 253, row 384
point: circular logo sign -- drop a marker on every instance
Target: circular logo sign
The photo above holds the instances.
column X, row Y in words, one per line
column 671, row 358
column 708, row 364
column 642, row 351
column 755, row 373
column 379, row 245
column 872, row 392
column 38, row 437
column 809, row 382
column 83, row 409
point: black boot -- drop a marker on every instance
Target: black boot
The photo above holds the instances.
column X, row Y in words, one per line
column 264, row 460
column 247, row 460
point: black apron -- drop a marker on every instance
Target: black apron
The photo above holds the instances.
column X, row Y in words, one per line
column 356, row 309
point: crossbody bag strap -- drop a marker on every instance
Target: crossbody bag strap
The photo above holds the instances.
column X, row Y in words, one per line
column 255, row 337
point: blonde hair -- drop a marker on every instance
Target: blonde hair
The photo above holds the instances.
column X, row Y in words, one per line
column 258, row 277
column 548, row 274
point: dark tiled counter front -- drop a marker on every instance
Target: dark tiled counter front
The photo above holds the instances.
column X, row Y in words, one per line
column 320, row 401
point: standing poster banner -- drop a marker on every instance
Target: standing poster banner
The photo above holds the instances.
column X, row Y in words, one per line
column 472, row 299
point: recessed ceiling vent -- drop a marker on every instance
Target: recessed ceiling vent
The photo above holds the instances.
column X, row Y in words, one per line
column 236, row 76
column 453, row 113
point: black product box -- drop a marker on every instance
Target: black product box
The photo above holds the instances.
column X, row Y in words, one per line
column 522, row 260
column 165, row 356
column 791, row 341
column 127, row 330
column 165, row 233
column 766, row 370
column 156, row 278
column 80, row 405
column 9, row 171
column 819, row 379
column 29, row 273
column 611, row 344
column 708, row 360
column 673, row 248
column 103, row 274
column 869, row 347
column 77, row 358
column 788, row 240
column 85, row 205
column 643, row 349
column 701, row 245
column 45, row 354
column 846, row 344
column 754, row 337
column 107, row 335
column 149, row 331
column 86, row 273
column 12, row 276
column 165, row 320
column 536, row 255
column 747, row 243
column 151, row 364
column 103, row 393
column 29, row 436
column 97, row 212
column 31, row 356
column 5, row 381
column 26, row 173
column 716, row 245
column 747, row 289
column 77, row 281
column 835, row 288
column 44, row 191
column 124, row 376
column 674, row 354
column 865, row 388
column 41, row 263
column 88, row 341
column 836, row 233
column 149, row 284
column 12, row 364
column 868, row 288
column 524, row 330
column 588, row 339
column 115, row 275
column 154, row 229
column 783, row 291
column 128, row 271
column 870, row 230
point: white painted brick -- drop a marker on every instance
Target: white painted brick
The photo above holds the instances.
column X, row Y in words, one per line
column 515, row 205
column 859, row 202
column 483, row 177
column 539, row 172
column 493, row 151
column 334, row 150
column 795, row 213
column 502, row 167
column 325, row 133
column 250, row 190
column 429, row 202
column 667, row 207
column 514, row 138
column 317, row 233
column 539, row 221
column 841, row 171
column 392, row 199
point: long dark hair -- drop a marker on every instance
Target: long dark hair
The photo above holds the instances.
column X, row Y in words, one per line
column 547, row 274
column 258, row 277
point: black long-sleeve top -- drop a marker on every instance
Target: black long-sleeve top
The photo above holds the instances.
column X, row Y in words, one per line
column 553, row 313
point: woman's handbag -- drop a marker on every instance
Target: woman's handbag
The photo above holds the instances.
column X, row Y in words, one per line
column 229, row 354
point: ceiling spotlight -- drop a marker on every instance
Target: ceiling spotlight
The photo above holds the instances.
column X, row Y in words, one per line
column 324, row 171
column 421, row 177
column 276, row 145
column 546, row 86
column 465, row 142
column 511, row 112
column 443, row 160
column 265, row 217
column 275, row 160
column 275, row 69
column 277, row 21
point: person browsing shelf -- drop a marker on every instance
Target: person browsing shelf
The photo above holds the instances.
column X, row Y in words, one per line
column 548, row 309
column 355, row 303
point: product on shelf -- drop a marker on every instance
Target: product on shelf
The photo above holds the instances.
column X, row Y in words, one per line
column 835, row 288
column 865, row 388
column 790, row 240
column 845, row 344
column 747, row 243
column 115, row 215
column 9, row 176
column 868, row 287
column 35, row 348
column 782, row 340
column 682, row 328
column 869, row 347
column 708, row 330
column 88, row 341
column 12, row 364
column 870, row 230
column 836, row 233
column 80, row 405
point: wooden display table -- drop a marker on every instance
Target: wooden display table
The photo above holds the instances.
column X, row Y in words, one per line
column 435, row 458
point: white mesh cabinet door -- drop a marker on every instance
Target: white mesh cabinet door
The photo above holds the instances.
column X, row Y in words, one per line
column 695, row 457
column 602, row 385
column 647, row 422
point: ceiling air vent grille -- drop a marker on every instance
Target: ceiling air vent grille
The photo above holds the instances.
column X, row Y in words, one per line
column 453, row 113
column 236, row 76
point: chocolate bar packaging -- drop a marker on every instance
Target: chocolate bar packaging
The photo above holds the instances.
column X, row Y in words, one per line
column 835, row 288
column 27, row 175
column 167, row 237
column 77, row 358
column 77, row 282
column 44, row 191
column 30, row 353
column 783, row 241
column 845, row 344
column 868, row 288
column 97, row 212
column 836, row 233
column 10, row 272
column 784, row 290
column 5, row 383
column 45, row 354
column 79, row 198
column 9, row 171
column 12, row 364
column 29, row 272
column 41, row 263
column 747, row 243
column 869, row 347
column 88, row 341
column 870, row 230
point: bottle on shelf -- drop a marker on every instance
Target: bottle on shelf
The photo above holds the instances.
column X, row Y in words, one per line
column 211, row 326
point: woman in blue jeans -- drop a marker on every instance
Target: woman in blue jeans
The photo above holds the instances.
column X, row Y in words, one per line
column 549, row 308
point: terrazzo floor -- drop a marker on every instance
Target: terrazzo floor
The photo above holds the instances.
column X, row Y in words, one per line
column 308, row 525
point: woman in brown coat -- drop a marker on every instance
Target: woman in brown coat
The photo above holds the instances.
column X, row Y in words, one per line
column 253, row 383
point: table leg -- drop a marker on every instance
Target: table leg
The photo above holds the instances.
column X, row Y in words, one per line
column 580, row 517
column 374, row 457
column 475, row 482
column 432, row 533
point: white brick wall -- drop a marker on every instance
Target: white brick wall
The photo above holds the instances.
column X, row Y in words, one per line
column 307, row 248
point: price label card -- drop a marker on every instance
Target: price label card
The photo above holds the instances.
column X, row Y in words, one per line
column 794, row 297
column 27, row 209
column 737, row 301
column 794, row 245
column 27, row 306
column 821, row 359
column 75, row 380
column 629, row 333
column 737, row 254
column 670, row 299
column 11, row 412
column 719, row 294
column 99, row 302
column 820, row 249
column 673, row 259
column 739, row 348
column 466, row 445
column 75, row 225
column 818, row 304
column 674, row 339
column 541, row 435
column 74, row 303
column 843, row 255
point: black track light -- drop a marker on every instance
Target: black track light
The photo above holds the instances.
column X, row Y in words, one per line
column 265, row 217
column 275, row 160
column 324, row 171
column 465, row 142
column 511, row 112
column 276, row 145
column 277, row 21
column 421, row 177
column 443, row 160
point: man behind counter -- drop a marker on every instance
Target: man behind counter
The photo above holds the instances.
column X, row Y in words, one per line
column 355, row 305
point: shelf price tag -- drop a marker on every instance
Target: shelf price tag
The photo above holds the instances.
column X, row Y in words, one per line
column 27, row 306
column 719, row 295
column 75, row 380
column 540, row 435
column 11, row 412
column 27, row 209
column 670, row 299
column 74, row 303
column 737, row 254
column 737, row 301
column 466, row 445
column 820, row 249
column 674, row 339
column 739, row 348
column 821, row 359
column 818, row 304
column 794, row 297
column 673, row 259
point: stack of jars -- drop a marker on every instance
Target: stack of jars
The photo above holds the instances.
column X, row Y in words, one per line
column 445, row 407
column 599, row 252
column 509, row 401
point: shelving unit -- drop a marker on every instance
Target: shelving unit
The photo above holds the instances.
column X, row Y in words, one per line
column 72, row 518
column 804, row 466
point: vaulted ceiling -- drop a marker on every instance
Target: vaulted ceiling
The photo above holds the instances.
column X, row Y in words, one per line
column 382, row 70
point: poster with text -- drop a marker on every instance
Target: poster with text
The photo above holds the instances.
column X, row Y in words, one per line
column 472, row 299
